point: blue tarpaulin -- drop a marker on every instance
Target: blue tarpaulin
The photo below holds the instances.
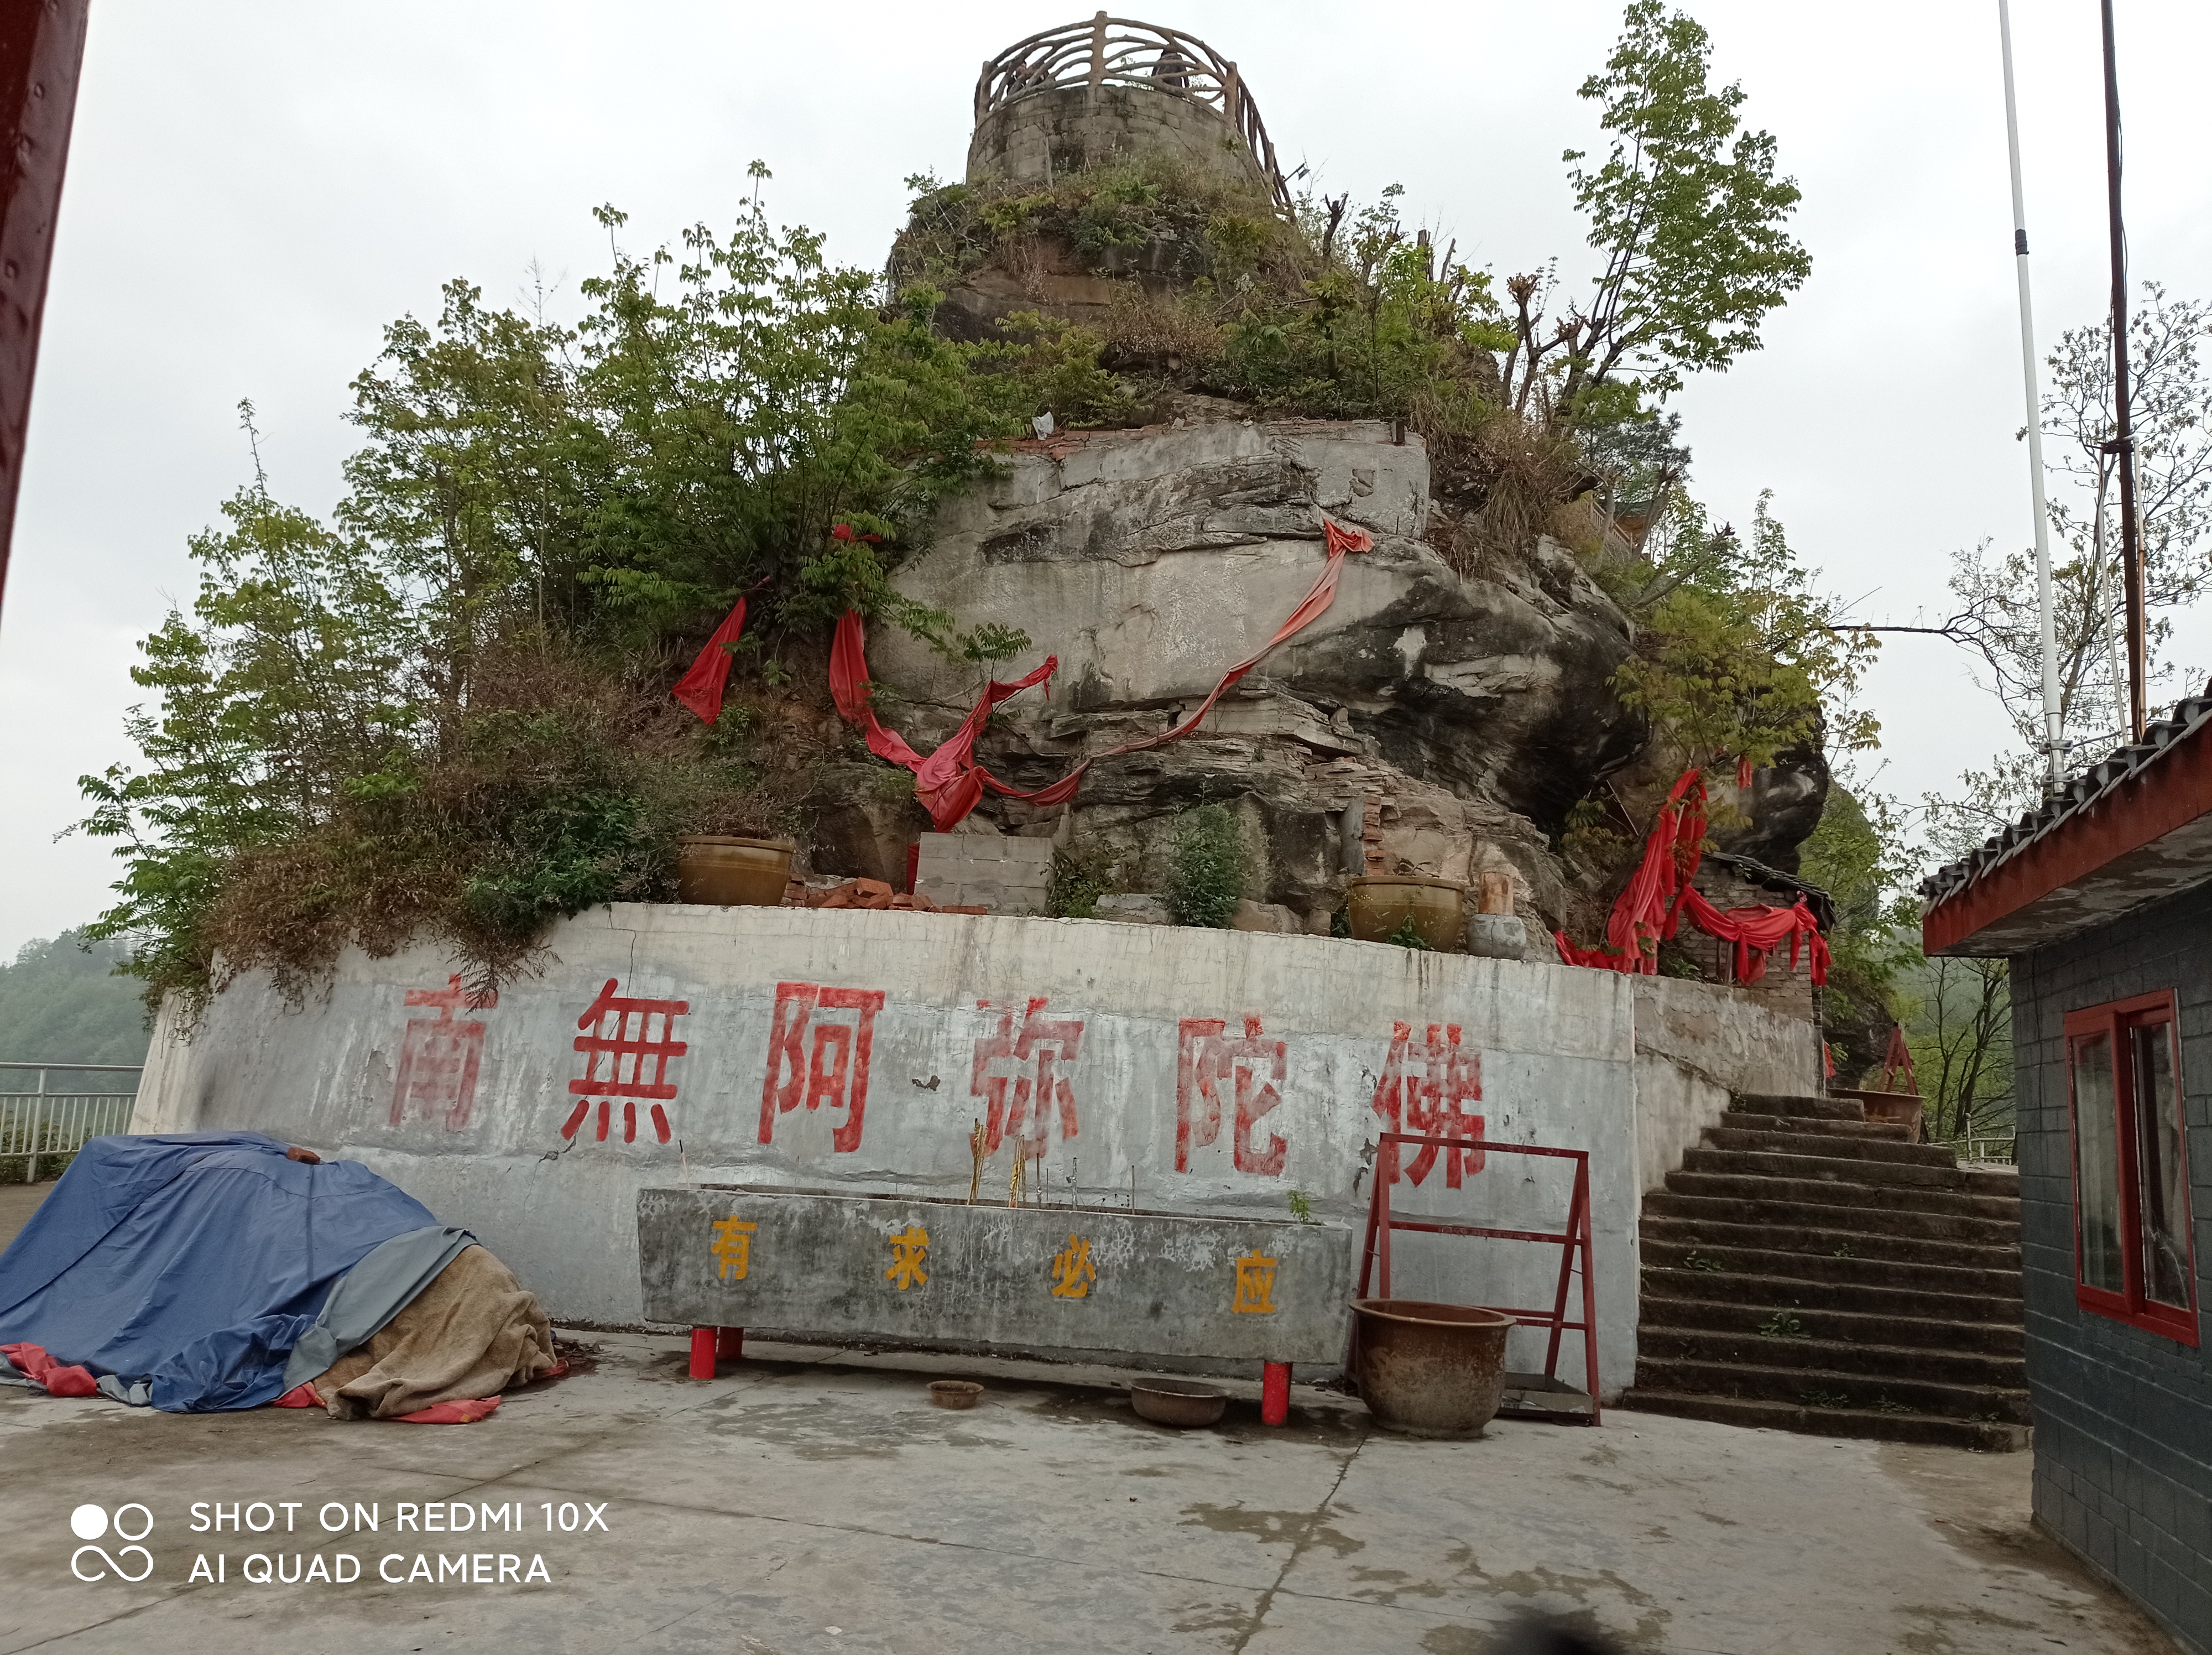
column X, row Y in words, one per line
column 192, row 1263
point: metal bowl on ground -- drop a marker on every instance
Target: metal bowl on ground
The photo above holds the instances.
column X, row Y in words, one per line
column 954, row 1393
column 1429, row 1370
column 1177, row 1401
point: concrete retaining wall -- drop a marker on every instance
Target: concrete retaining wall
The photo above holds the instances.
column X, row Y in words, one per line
column 1215, row 1072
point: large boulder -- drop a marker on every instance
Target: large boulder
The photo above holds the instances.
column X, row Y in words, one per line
column 1469, row 714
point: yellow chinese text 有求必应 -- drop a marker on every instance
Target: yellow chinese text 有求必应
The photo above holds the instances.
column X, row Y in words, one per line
column 1256, row 1286
column 1072, row 1272
column 908, row 1251
column 732, row 1248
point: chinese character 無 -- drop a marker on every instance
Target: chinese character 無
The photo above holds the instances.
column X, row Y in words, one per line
column 908, row 1251
column 734, row 1248
column 609, row 1034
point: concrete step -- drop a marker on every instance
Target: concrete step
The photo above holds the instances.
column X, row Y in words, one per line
column 1981, row 1436
column 1870, row 1298
column 1828, row 1193
column 1998, row 1283
column 2003, row 1182
column 1826, row 1169
column 1834, row 1145
column 1887, row 1131
column 1806, row 1108
column 1785, row 1226
column 1975, row 1371
column 1816, row 1321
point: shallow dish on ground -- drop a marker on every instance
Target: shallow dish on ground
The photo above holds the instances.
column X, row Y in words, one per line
column 1177, row 1401
column 954, row 1393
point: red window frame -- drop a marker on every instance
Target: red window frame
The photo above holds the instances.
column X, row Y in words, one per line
column 2129, row 1305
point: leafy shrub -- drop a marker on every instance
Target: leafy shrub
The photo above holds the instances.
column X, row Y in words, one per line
column 1078, row 878
column 1408, row 936
column 1207, row 867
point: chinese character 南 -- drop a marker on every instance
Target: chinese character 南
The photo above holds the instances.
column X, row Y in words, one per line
column 1039, row 1055
column 1205, row 1057
column 835, row 1072
column 1255, row 1285
column 908, row 1252
column 616, row 1028
column 1072, row 1272
column 732, row 1248
column 1422, row 1091
column 439, row 1056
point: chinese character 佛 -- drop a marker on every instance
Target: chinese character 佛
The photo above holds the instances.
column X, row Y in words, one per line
column 835, row 1072
column 1205, row 1057
column 437, row 1056
column 1034, row 1065
column 1256, row 1286
column 908, row 1251
column 734, row 1248
column 608, row 1033
column 1072, row 1272
column 1423, row 1088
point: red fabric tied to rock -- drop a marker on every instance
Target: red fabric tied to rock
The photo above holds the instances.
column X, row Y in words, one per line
column 950, row 783
column 1660, row 896
column 33, row 1362
column 701, row 689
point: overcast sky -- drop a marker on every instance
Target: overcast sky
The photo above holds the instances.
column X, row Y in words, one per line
column 254, row 190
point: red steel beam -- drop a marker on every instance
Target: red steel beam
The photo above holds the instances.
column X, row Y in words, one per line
column 41, row 47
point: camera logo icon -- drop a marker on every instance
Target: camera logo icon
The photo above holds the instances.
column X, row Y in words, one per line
column 131, row 1522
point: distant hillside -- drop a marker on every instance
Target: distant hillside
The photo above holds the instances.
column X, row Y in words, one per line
column 59, row 1004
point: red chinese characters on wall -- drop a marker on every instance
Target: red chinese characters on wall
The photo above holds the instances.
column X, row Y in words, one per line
column 439, row 1056
column 1423, row 1090
column 1022, row 1075
column 833, row 1070
column 1207, row 1059
column 635, row 1040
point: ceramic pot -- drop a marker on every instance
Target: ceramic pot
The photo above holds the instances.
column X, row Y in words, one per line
column 726, row 873
column 1378, row 903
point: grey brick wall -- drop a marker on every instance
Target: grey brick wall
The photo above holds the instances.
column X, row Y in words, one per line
column 2122, row 1417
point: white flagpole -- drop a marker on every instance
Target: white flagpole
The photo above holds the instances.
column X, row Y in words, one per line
column 2053, row 739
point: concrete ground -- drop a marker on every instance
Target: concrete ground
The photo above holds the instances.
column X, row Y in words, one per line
column 17, row 1202
column 813, row 1500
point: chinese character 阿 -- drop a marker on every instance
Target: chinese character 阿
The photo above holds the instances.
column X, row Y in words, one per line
column 1205, row 1057
column 1072, row 1272
column 1033, row 1063
column 908, row 1251
column 1256, row 1286
column 1423, row 1087
column 615, row 1029
column 438, row 1057
column 835, row 1072
column 734, row 1248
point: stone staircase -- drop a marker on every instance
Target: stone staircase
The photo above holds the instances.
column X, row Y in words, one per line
column 1810, row 1270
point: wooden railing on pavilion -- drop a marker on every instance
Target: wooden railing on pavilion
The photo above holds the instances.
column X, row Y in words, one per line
column 1119, row 52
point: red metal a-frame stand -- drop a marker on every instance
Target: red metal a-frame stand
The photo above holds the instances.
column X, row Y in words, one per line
column 1573, row 1241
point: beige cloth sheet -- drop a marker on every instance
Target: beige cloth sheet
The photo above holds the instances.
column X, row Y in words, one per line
column 473, row 1332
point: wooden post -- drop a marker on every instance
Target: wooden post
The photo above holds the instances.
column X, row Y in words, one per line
column 1090, row 91
column 1232, row 87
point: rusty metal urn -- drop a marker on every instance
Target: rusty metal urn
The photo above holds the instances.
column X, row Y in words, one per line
column 1429, row 1370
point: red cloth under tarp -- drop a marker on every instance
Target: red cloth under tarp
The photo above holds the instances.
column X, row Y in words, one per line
column 460, row 1413
column 701, row 689
column 33, row 1362
column 1660, row 896
column 950, row 783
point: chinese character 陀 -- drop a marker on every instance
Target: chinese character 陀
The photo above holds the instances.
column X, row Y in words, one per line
column 1256, row 1286
column 1072, row 1272
column 908, row 1251
column 734, row 1248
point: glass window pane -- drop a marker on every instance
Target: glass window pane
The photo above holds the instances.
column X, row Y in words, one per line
column 2097, row 1163
column 2164, row 1196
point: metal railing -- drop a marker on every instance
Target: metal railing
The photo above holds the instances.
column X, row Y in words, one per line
column 1991, row 1148
column 43, row 1123
column 1120, row 51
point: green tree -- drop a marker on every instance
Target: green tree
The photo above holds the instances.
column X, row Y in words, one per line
column 1688, row 217
column 61, row 1001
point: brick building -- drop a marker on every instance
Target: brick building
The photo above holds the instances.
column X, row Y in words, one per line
column 2102, row 900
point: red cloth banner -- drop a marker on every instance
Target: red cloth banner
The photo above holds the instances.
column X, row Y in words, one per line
column 950, row 783
column 701, row 689
column 1660, row 896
